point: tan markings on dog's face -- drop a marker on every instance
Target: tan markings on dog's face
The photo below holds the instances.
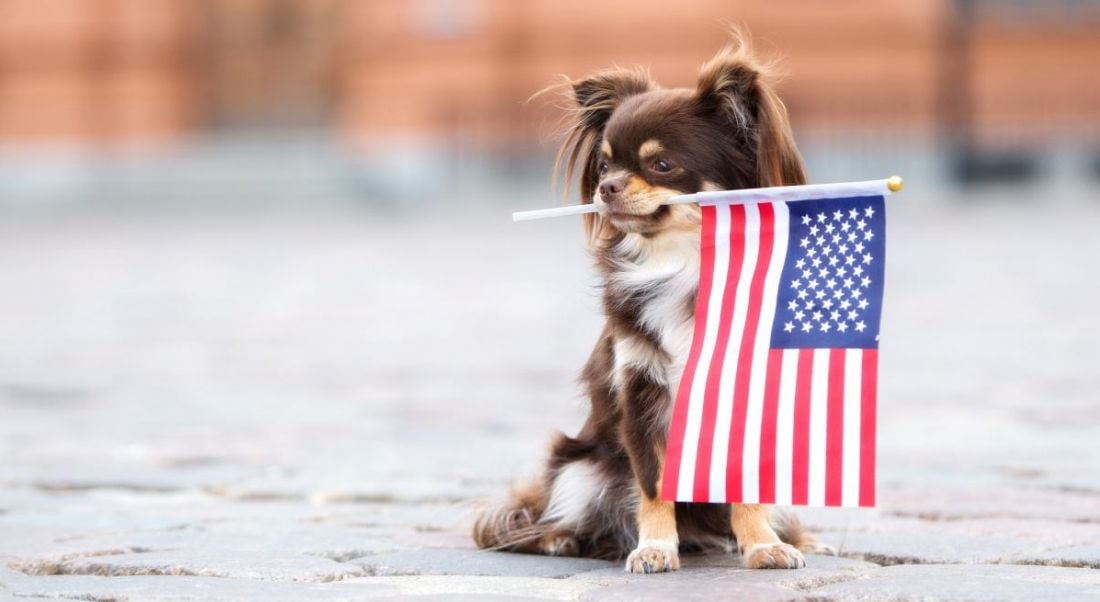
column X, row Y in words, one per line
column 605, row 148
column 650, row 149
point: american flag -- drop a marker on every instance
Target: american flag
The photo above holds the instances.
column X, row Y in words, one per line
column 777, row 400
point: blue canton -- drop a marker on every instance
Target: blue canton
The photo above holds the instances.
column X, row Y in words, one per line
column 830, row 294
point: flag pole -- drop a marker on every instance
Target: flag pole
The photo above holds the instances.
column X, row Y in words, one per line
column 801, row 192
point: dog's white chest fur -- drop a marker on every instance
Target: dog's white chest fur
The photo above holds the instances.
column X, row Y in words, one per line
column 666, row 269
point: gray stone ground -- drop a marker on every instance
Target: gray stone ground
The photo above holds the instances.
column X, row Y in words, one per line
column 308, row 407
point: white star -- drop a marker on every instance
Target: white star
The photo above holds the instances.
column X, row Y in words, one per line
column 840, row 271
column 865, row 281
column 816, row 262
column 831, row 283
column 798, row 315
column 821, row 217
column 801, row 263
column 826, row 251
column 807, row 274
column 795, row 283
column 860, row 326
column 805, row 242
column 793, row 305
column 823, row 273
column 851, row 237
column 845, row 226
column 838, row 215
column 820, row 241
column 824, row 327
column 868, row 235
column 838, row 294
column 809, row 304
column 858, row 270
column 849, row 260
column 853, row 213
column 861, row 224
column 867, row 258
column 829, row 228
column 802, row 294
column 833, row 260
column 856, row 293
column 813, row 230
column 869, row 212
column 817, row 316
column 806, row 327
column 852, row 315
column 835, row 316
column 848, row 283
column 827, row 304
column 820, row 294
column 789, row 326
column 842, row 327
column 812, row 284
column 842, row 249
column 836, row 239
column 811, row 252
column 845, row 304
column 806, row 219
column 863, row 303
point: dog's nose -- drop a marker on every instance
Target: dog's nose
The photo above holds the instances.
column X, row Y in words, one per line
column 612, row 188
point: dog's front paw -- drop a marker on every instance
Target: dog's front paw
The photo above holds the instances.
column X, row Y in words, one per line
column 772, row 556
column 654, row 557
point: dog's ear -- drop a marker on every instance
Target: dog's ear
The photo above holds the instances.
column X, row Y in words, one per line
column 734, row 84
column 594, row 98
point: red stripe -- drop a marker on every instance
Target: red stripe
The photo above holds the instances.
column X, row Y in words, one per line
column 701, row 490
column 768, row 426
column 734, row 469
column 800, row 457
column 867, row 428
column 834, row 429
column 680, row 409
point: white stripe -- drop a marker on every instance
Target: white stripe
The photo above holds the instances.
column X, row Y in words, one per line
column 784, row 432
column 853, row 386
column 724, row 418
column 750, row 482
column 698, row 384
column 801, row 192
column 819, row 407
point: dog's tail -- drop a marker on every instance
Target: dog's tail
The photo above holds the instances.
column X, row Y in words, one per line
column 513, row 524
column 790, row 530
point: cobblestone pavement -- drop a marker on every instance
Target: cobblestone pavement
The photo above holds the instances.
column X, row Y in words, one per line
column 308, row 407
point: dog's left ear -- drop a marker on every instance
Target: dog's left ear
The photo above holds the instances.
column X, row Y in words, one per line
column 733, row 84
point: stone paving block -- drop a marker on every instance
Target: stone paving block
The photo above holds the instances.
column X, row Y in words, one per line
column 476, row 562
column 1084, row 556
column 966, row 582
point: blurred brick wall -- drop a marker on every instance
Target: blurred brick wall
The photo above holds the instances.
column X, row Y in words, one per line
column 463, row 69
column 97, row 69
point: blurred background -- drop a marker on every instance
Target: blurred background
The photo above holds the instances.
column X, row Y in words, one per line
column 216, row 104
column 261, row 249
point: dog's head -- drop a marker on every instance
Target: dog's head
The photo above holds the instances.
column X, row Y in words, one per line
column 636, row 144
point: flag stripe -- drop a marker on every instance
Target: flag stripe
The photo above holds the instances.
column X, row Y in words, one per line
column 853, row 368
column 834, row 450
column 702, row 302
column 737, row 250
column 785, row 429
column 819, row 389
column 769, row 421
column 867, row 428
column 801, row 448
column 751, row 289
column 695, row 387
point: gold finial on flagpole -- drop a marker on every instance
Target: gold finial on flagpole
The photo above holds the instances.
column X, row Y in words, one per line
column 895, row 183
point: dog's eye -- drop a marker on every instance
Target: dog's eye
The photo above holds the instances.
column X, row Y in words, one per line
column 662, row 166
column 602, row 167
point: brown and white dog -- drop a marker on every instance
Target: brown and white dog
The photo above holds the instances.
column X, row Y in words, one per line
column 636, row 144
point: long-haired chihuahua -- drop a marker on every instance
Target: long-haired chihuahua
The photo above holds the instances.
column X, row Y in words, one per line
column 636, row 144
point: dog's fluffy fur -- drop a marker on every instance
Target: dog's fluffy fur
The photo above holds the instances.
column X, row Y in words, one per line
column 635, row 144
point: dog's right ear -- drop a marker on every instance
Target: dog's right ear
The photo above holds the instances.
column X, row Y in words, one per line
column 598, row 94
column 595, row 98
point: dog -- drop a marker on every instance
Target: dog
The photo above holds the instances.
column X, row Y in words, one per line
column 636, row 144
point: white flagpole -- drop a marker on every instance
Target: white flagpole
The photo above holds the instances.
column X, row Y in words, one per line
column 749, row 195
